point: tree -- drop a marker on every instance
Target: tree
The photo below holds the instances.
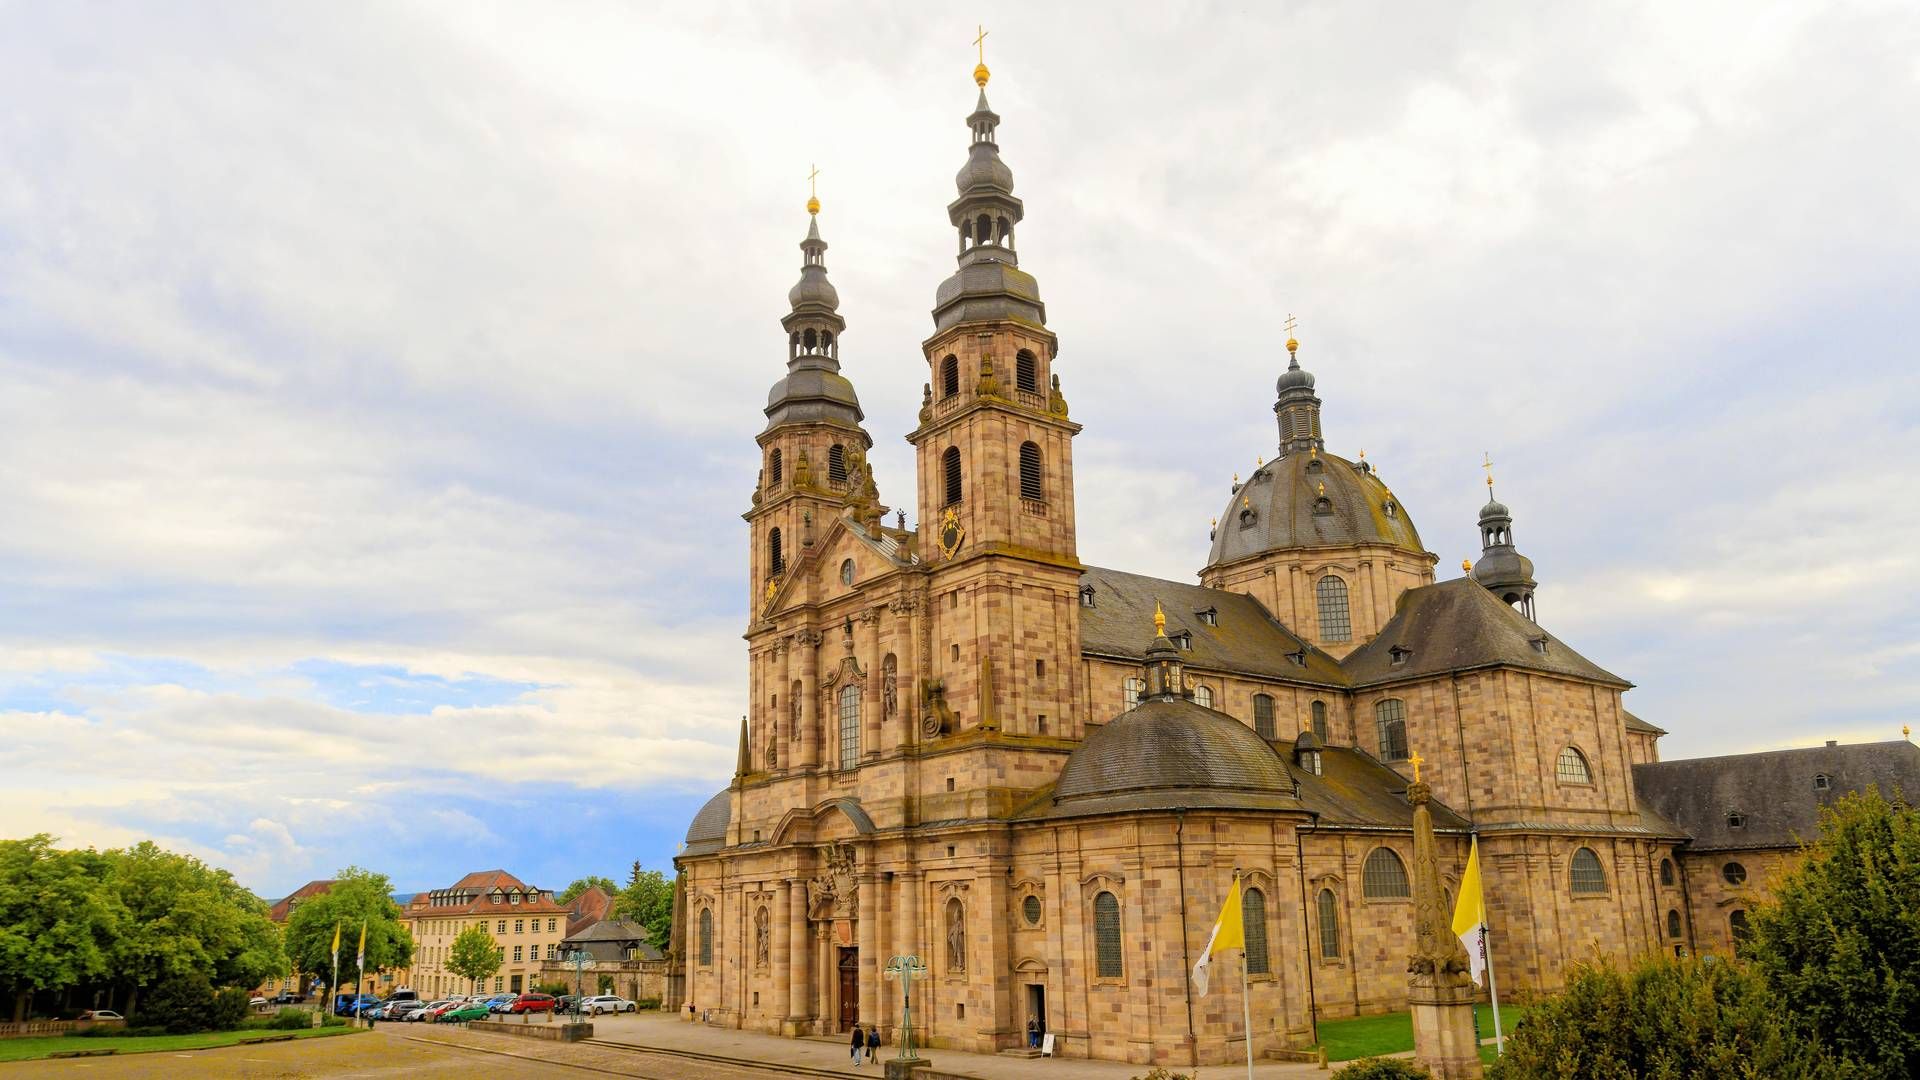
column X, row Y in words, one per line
column 1841, row 940
column 591, row 881
column 647, row 900
column 184, row 917
column 58, row 918
column 357, row 898
column 1706, row 1017
column 473, row 956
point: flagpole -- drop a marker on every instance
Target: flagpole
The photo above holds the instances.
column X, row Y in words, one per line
column 1493, row 988
column 1246, row 1011
column 334, row 986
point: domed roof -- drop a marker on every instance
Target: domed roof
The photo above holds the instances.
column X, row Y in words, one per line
column 710, row 824
column 1495, row 509
column 1294, row 378
column 1279, row 508
column 813, row 288
column 1173, row 745
column 810, row 393
column 983, row 169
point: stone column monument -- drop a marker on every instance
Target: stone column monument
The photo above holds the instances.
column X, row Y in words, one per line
column 1439, row 989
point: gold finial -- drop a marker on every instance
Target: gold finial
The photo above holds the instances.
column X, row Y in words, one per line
column 1236, row 479
column 772, row 587
column 1313, row 452
column 1466, row 566
column 1417, row 761
column 1292, row 345
column 813, row 197
column 1258, row 461
column 980, row 73
column 1323, row 488
column 1159, row 621
column 1363, row 455
column 1906, row 732
column 1244, row 505
column 1213, row 523
column 1486, row 462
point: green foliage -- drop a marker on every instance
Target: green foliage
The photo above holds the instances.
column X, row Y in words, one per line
column 1840, row 942
column 182, row 1005
column 591, row 881
column 1375, row 1068
column 647, row 900
column 357, row 897
column 290, row 1019
column 557, row 989
column 1664, row 1020
column 117, row 1033
column 1159, row 1072
column 185, row 917
column 58, row 918
column 473, row 955
column 647, row 1003
column 230, row 1007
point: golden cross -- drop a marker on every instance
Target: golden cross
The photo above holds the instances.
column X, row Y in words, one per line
column 1290, row 325
column 1417, row 760
column 981, row 43
column 816, row 172
column 1486, row 463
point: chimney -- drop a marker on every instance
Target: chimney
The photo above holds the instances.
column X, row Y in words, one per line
column 1833, row 742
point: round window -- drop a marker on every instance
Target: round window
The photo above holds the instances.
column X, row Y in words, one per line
column 1734, row 873
column 1030, row 907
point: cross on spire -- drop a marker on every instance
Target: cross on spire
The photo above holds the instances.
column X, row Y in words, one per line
column 980, row 42
column 980, row 72
column 1416, row 761
column 813, row 196
column 1486, row 462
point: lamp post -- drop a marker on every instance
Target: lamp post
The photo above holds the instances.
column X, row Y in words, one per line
column 905, row 969
column 579, row 958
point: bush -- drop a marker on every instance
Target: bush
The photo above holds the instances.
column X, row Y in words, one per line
column 647, row 1003
column 181, row 1005
column 290, row 1019
column 117, row 1033
column 557, row 989
column 1377, row 1068
column 229, row 1008
column 1666, row 1018
column 1159, row 1072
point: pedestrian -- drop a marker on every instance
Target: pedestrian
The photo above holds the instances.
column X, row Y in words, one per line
column 859, row 1040
column 873, row 1042
column 1033, row 1033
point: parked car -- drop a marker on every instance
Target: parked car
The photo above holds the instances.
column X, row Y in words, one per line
column 606, row 1003
column 404, row 993
column 431, row 1012
column 353, row 1004
column 531, row 1003
column 403, row 1010
column 257, row 1002
column 566, row 1003
column 500, row 1002
column 287, row 997
column 100, row 1014
column 464, row 1014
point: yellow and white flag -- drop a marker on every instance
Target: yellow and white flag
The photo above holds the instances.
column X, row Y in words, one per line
column 1229, row 932
column 360, row 955
column 1470, row 917
column 336, row 943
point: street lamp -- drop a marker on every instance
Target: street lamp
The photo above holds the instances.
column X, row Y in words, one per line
column 905, row 969
column 579, row 958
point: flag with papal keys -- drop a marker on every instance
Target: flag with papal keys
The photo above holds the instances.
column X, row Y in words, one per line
column 360, row 956
column 1470, row 917
column 1228, row 933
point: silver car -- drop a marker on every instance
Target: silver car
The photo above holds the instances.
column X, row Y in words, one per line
column 605, row 1003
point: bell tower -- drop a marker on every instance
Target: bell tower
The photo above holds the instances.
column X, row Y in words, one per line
column 994, row 450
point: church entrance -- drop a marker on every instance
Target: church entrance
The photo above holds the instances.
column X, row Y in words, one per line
column 1037, row 1009
column 849, row 988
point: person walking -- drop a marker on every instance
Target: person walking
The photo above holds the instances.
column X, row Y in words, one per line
column 859, row 1040
column 873, row 1042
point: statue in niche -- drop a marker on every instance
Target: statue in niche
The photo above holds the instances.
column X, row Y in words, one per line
column 956, row 935
column 793, row 712
column 889, row 686
column 761, row 932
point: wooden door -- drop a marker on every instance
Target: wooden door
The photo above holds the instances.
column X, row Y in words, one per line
column 849, row 988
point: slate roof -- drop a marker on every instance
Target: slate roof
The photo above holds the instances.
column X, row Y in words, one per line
column 608, row 939
column 1355, row 790
column 1773, row 791
column 708, row 831
column 1634, row 723
column 1247, row 638
column 1457, row 625
column 480, row 885
column 1280, row 510
column 1172, row 744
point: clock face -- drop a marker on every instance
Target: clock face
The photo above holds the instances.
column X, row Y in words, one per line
column 951, row 533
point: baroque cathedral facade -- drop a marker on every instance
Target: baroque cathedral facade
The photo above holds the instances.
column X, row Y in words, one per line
column 1040, row 777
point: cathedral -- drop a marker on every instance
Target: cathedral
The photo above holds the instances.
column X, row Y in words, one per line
column 1039, row 777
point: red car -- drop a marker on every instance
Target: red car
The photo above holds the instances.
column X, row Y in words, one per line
column 527, row 1003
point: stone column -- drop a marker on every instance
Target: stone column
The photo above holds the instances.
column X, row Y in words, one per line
column 781, row 960
column 1439, row 990
column 873, row 709
column 799, row 970
column 868, row 936
column 808, row 642
column 786, row 720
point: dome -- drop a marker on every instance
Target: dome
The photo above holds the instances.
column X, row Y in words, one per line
column 1503, row 566
column 1495, row 509
column 807, row 394
column 710, row 824
column 983, row 169
column 1282, row 510
column 1294, row 378
column 813, row 288
column 1171, row 744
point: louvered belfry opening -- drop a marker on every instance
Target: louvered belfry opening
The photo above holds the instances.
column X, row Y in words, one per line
column 950, row 469
column 1031, row 486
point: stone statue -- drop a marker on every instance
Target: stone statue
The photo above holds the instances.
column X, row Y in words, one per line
column 761, row 934
column 889, row 687
column 956, row 936
column 1440, row 993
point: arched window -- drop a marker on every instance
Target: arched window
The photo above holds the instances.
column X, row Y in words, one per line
column 1253, row 925
column 849, row 726
column 949, row 377
column 1586, row 875
column 1026, row 372
column 956, row 935
column 1331, row 595
column 1737, row 922
column 1031, row 484
column 1666, row 872
column 1733, row 874
column 985, row 229
column 1106, row 937
column 1203, row 696
column 1320, row 720
column 837, row 464
column 1130, row 693
column 1384, row 877
column 775, row 557
column 950, row 470
column 1263, row 715
column 846, row 571
column 1329, row 911
column 1673, row 923
column 706, row 937
column 1572, row 767
column 774, row 466
column 1390, row 720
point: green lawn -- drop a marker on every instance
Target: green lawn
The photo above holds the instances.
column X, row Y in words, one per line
column 29, row 1049
column 1392, row 1033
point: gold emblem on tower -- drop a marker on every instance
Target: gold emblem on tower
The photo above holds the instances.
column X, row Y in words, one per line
column 951, row 534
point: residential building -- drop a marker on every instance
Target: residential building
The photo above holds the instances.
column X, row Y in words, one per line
column 526, row 924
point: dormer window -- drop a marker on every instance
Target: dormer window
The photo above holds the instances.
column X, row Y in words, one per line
column 1299, row 657
column 1539, row 644
column 1399, row 654
column 1210, row 617
column 1086, row 596
column 1390, row 508
column 1736, row 820
column 1822, row 782
column 1183, row 639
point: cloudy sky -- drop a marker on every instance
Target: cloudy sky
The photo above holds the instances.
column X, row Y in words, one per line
column 378, row 381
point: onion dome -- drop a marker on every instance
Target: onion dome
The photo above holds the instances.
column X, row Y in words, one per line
column 813, row 389
column 989, row 284
column 1504, row 572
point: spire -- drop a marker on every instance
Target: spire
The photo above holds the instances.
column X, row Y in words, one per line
column 1165, row 677
column 744, row 765
column 1297, row 410
column 989, row 284
column 813, row 389
column 1502, row 569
